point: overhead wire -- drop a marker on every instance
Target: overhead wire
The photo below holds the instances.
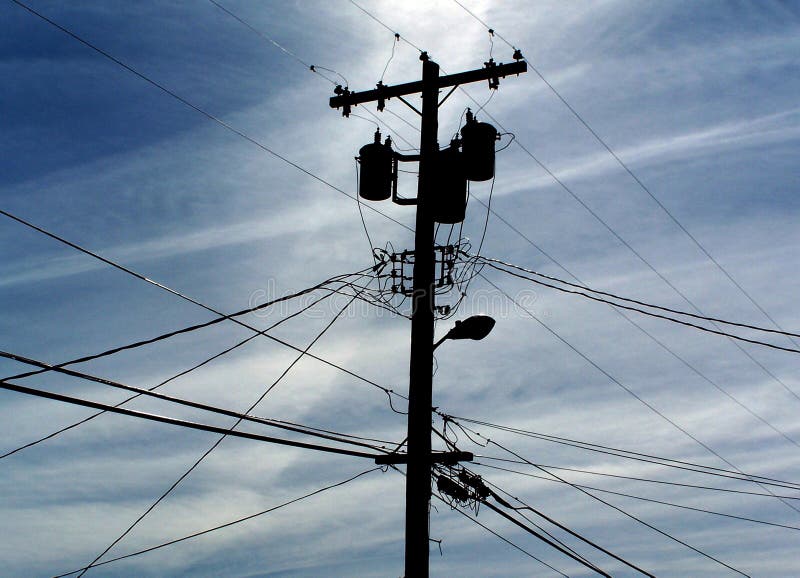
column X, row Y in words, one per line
column 645, row 499
column 496, row 534
column 538, row 533
column 558, row 524
column 648, row 480
column 389, row 392
column 634, row 301
column 755, row 361
column 179, row 401
column 315, row 69
column 448, row 471
column 219, row 441
column 7, row 385
column 171, row 378
column 631, row 321
column 197, row 108
column 628, row 390
column 629, row 454
column 225, row 525
column 638, row 255
column 617, row 508
column 642, row 311
column 639, row 182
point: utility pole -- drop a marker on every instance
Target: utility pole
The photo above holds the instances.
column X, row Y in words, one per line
column 419, row 456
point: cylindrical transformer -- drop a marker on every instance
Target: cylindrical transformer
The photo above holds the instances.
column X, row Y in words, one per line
column 449, row 197
column 375, row 183
column 478, row 140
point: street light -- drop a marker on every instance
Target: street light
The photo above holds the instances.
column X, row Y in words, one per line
column 475, row 327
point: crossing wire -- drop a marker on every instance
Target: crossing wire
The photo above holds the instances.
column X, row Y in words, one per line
column 617, row 508
column 221, row 317
column 597, row 217
column 504, row 539
column 628, row 390
column 642, row 498
column 221, row 438
column 648, row 480
column 634, row 301
column 618, row 311
column 642, row 311
column 9, row 386
column 225, row 525
column 562, row 526
column 179, row 401
column 164, row 382
column 197, row 108
column 639, row 182
column 627, row 454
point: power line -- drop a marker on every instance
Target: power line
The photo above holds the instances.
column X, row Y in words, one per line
column 627, row 389
column 642, row 311
column 663, row 345
column 208, row 115
column 180, row 401
column 636, row 253
column 479, row 485
column 221, row 526
column 221, row 438
column 563, row 527
column 615, row 306
column 642, row 329
column 504, row 539
column 641, row 185
column 173, row 421
column 642, row 498
column 222, row 317
column 389, row 392
column 164, row 382
column 453, row 446
column 313, row 68
column 396, row 34
column 629, row 515
column 647, row 480
column 635, row 301
column 547, row 541
column 631, row 455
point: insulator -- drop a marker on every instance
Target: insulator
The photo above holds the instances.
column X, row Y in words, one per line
column 376, row 170
column 478, row 140
column 449, row 196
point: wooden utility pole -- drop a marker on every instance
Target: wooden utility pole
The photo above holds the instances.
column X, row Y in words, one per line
column 420, row 394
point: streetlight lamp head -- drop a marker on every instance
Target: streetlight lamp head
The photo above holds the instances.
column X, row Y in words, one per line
column 475, row 327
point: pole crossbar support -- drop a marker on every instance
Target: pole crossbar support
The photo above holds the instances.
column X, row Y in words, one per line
column 446, row 458
column 387, row 92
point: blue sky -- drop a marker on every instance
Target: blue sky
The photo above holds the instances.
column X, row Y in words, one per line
column 698, row 99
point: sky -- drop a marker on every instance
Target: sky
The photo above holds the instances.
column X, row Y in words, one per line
column 222, row 178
